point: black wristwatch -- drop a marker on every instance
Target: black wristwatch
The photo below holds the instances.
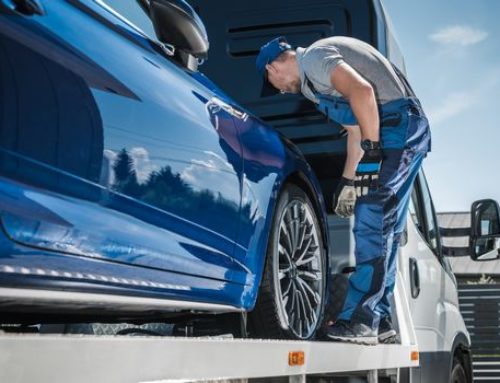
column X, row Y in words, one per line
column 370, row 145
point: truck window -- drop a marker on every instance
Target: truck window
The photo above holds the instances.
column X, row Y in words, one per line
column 414, row 212
column 430, row 216
column 422, row 212
column 431, row 229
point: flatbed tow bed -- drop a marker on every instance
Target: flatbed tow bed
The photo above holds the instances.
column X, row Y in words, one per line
column 70, row 358
column 89, row 358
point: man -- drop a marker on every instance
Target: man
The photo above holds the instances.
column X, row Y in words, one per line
column 387, row 138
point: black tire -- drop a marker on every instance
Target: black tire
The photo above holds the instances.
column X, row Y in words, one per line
column 284, row 302
column 458, row 374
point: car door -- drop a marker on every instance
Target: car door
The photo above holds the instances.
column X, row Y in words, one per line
column 147, row 160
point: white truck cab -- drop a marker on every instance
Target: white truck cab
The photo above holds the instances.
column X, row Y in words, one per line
column 442, row 337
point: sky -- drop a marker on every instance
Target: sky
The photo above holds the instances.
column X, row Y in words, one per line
column 452, row 54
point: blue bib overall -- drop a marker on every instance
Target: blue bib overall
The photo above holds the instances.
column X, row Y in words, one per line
column 380, row 216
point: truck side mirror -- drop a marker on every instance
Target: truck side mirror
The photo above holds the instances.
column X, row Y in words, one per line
column 177, row 24
column 485, row 230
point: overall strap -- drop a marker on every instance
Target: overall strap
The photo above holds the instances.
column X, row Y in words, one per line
column 310, row 85
column 342, row 132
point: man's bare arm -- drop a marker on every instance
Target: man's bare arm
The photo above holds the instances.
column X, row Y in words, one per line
column 354, row 152
column 361, row 97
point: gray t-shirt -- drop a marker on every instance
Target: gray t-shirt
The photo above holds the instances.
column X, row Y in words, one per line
column 319, row 59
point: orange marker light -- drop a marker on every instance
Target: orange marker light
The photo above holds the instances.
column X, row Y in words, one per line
column 414, row 356
column 296, row 358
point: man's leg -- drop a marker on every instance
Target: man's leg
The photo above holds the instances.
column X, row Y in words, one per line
column 373, row 231
column 384, row 307
column 386, row 330
column 375, row 221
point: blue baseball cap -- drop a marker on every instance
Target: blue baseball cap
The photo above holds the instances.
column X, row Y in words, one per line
column 268, row 53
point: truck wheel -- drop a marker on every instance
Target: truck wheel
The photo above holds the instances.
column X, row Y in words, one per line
column 458, row 374
column 292, row 292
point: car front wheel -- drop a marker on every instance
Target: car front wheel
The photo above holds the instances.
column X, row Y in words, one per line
column 292, row 292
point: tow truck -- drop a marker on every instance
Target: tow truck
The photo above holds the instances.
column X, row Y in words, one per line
column 433, row 342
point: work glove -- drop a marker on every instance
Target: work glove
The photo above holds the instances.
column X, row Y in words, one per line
column 368, row 170
column 344, row 198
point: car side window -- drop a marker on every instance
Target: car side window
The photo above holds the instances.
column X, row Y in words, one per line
column 131, row 11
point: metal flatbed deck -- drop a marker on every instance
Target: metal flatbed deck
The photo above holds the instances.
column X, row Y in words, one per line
column 66, row 358
column 51, row 358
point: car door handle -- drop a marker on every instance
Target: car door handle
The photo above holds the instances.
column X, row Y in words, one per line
column 23, row 7
column 414, row 278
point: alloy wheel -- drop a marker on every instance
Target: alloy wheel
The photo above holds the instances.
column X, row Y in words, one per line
column 299, row 270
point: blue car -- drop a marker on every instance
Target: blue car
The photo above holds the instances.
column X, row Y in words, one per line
column 133, row 188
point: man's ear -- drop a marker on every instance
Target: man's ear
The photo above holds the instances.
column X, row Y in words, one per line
column 270, row 68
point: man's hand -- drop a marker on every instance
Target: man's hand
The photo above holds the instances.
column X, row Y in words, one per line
column 344, row 198
column 367, row 172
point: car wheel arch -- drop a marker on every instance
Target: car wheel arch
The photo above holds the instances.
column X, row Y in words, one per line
column 286, row 192
column 297, row 178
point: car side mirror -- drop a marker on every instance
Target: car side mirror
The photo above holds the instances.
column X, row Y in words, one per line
column 177, row 24
column 485, row 230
